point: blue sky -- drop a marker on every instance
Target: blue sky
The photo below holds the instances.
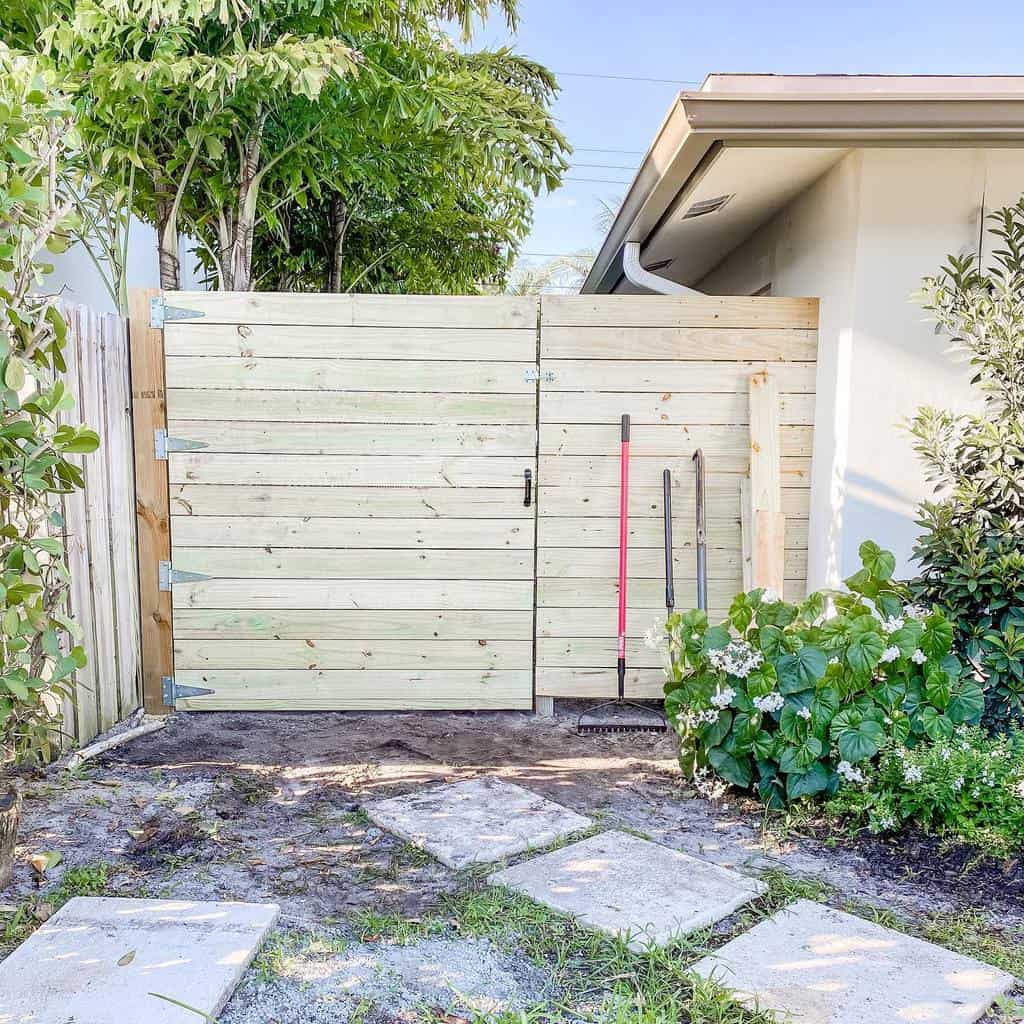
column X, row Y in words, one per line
column 683, row 41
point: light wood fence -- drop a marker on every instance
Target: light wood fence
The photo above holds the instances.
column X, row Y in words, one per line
column 99, row 526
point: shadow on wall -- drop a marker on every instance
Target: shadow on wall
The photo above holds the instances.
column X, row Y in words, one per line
column 874, row 510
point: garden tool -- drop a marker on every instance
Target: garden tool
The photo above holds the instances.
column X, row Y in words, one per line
column 702, row 540
column 603, row 721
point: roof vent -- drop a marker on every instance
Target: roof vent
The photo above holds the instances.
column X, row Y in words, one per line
column 706, row 206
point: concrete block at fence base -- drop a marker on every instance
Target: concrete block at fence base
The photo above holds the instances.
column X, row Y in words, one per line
column 814, row 965
column 637, row 890
column 99, row 961
column 476, row 822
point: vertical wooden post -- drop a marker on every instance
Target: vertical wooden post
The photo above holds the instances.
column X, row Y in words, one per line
column 767, row 523
column 152, row 499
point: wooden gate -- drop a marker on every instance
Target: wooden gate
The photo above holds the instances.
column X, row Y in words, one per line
column 347, row 518
column 682, row 369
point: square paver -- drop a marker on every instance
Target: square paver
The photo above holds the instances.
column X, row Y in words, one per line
column 821, row 966
column 637, row 890
column 99, row 961
column 476, row 822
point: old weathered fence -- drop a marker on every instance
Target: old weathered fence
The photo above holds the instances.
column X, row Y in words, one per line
column 99, row 526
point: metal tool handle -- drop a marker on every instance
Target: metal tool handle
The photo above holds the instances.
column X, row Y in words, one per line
column 702, row 541
column 666, row 486
column 623, row 550
column 527, row 487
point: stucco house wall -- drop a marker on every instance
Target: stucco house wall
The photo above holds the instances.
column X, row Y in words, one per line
column 861, row 238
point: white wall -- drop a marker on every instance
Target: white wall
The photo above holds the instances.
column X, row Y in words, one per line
column 861, row 238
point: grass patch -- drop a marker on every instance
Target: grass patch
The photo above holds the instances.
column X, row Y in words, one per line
column 90, row 880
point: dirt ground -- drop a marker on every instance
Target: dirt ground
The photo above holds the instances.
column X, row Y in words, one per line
column 266, row 806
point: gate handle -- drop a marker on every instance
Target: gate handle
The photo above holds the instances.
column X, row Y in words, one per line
column 527, row 486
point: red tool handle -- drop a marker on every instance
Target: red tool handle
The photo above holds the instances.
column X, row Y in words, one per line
column 623, row 549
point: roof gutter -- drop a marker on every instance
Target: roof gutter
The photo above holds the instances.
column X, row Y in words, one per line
column 641, row 277
column 697, row 121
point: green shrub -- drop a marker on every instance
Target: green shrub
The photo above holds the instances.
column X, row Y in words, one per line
column 969, row 787
column 790, row 700
column 972, row 555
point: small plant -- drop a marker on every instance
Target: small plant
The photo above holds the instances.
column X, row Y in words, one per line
column 968, row 787
column 794, row 702
column 971, row 555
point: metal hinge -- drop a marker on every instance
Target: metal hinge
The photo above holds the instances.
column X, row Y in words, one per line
column 162, row 444
column 169, row 576
column 533, row 374
column 160, row 312
column 173, row 691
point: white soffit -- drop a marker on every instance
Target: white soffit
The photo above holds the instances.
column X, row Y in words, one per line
column 761, row 181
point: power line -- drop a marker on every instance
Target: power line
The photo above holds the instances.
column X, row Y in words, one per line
column 594, row 149
column 599, row 181
column 623, row 78
column 607, row 167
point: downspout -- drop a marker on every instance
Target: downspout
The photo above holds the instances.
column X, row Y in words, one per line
column 642, row 278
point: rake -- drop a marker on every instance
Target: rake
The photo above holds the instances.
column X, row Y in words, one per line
column 651, row 720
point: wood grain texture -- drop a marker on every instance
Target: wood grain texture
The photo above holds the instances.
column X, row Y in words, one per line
column 282, row 438
column 667, row 408
column 667, row 378
column 304, row 532
column 255, row 373
column 333, row 341
column 360, row 690
column 309, row 309
column 349, row 470
column 568, row 532
column 351, row 624
column 728, row 445
column 349, row 407
column 623, row 311
column 380, row 595
column 348, row 502
column 151, row 498
column 603, row 470
column 600, row 683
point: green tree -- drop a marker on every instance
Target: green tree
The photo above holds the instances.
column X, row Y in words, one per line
column 37, row 637
column 972, row 552
column 212, row 116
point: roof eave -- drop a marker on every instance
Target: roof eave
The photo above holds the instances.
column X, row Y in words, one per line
column 697, row 120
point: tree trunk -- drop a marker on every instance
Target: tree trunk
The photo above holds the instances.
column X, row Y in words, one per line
column 339, row 223
column 167, row 239
column 10, row 817
column 239, row 278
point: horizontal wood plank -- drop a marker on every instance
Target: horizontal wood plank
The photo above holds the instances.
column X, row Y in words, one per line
column 297, row 532
column 721, row 498
column 351, row 624
column 383, row 595
column 359, row 690
column 600, row 683
column 663, row 378
column 645, row 596
column 354, row 563
column 349, row 470
column 333, row 341
column 601, row 623
column 670, row 311
column 666, row 408
column 364, row 375
column 348, row 502
column 603, row 471
column 362, row 654
column 680, row 343
column 310, row 309
column 649, row 563
column 728, row 445
column 349, row 407
column 594, row 652
column 570, row 532
column 277, row 438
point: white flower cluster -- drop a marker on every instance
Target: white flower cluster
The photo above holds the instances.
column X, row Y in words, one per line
column 958, row 784
column 655, row 637
column 912, row 773
column 737, row 659
column 915, row 611
column 849, row 772
column 919, row 657
column 769, row 702
column 834, row 660
column 884, row 823
column 804, row 713
column 892, row 624
column 698, row 718
column 723, row 698
column 770, row 596
column 889, row 654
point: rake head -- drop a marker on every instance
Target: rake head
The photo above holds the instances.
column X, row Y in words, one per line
column 652, row 721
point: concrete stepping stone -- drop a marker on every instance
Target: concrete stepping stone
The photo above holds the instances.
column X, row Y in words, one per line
column 476, row 822
column 632, row 888
column 98, row 961
column 814, row 965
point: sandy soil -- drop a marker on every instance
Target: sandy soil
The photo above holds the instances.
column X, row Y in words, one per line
column 266, row 807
